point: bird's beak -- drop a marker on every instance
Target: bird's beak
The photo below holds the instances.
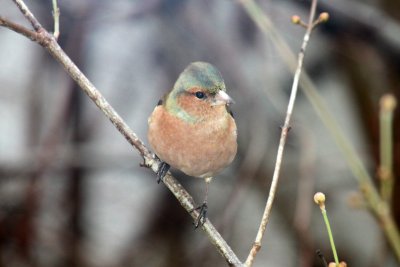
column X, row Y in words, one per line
column 222, row 98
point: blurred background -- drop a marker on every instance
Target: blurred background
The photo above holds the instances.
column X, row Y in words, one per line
column 71, row 189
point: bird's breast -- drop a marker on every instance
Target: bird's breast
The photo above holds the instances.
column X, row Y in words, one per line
column 199, row 149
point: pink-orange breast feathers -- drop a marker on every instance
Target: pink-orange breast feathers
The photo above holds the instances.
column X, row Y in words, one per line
column 198, row 149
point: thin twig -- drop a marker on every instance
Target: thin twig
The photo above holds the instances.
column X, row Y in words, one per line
column 320, row 199
column 19, row 29
column 378, row 207
column 385, row 171
column 321, row 256
column 48, row 41
column 285, row 130
column 56, row 16
column 28, row 15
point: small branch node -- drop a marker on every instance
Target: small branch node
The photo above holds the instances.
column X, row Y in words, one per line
column 323, row 18
column 297, row 20
column 388, row 103
column 319, row 199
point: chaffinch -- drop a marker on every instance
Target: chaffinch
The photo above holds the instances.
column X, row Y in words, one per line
column 192, row 129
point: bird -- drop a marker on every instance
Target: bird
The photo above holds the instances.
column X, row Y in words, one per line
column 192, row 128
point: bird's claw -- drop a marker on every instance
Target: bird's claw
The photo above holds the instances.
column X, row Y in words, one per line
column 162, row 171
column 201, row 219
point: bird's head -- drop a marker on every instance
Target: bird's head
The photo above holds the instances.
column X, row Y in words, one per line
column 198, row 93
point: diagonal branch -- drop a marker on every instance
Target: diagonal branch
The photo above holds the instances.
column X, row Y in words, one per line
column 19, row 29
column 28, row 15
column 47, row 41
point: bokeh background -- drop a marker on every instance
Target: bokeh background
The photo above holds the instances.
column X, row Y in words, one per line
column 71, row 189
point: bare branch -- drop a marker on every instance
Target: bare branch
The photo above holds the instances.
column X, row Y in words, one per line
column 28, row 15
column 378, row 207
column 252, row 8
column 47, row 40
column 19, row 29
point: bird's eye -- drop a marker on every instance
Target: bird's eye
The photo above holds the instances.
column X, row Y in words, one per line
column 200, row 95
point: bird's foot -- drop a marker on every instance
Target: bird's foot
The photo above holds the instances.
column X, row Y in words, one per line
column 201, row 219
column 162, row 171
